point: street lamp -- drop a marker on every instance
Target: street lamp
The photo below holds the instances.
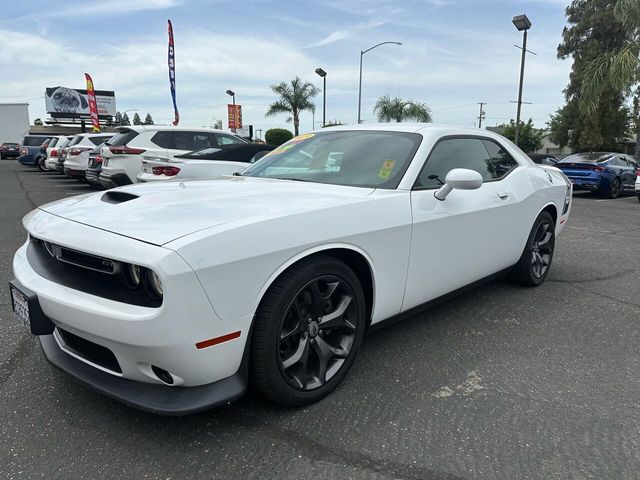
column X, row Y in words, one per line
column 232, row 94
column 523, row 24
column 362, row 52
column 323, row 74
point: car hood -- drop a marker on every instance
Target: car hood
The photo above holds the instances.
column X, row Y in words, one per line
column 160, row 212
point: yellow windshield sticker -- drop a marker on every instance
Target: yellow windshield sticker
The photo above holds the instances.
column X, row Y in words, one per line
column 302, row 137
column 290, row 144
column 387, row 167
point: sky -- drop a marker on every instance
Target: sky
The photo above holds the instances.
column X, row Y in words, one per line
column 454, row 54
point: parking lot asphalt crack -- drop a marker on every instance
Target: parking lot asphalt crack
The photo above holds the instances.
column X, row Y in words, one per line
column 26, row 193
column 317, row 451
column 603, row 278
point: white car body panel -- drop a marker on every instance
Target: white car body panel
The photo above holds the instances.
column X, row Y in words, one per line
column 217, row 245
column 80, row 161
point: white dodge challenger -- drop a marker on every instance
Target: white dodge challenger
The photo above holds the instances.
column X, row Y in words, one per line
column 171, row 297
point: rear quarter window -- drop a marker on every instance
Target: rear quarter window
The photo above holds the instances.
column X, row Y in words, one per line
column 162, row 139
column 122, row 138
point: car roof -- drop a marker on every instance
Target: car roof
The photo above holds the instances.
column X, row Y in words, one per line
column 154, row 128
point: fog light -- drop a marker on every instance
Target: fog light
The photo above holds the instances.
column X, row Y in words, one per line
column 162, row 375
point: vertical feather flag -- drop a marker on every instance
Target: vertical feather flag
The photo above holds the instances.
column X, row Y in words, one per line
column 172, row 74
column 93, row 106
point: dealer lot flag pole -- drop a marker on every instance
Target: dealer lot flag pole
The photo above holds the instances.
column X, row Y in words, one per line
column 172, row 74
column 93, row 106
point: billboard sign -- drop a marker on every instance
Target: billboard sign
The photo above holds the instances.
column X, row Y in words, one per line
column 73, row 103
column 235, row 116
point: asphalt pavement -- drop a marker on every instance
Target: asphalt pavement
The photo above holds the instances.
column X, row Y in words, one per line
column 503, row 382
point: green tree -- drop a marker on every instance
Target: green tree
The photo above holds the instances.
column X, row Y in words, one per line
column 530, row 138
column 125, row 119
column 147, row 120
column 117, row 120
column 277, row 136
column 617, row 67
column 38, row 121
column 396, row 109
column 593, row 30
column 294, row 97
column 136, row 119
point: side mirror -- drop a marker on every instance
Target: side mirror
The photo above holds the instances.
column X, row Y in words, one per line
column 460, row 178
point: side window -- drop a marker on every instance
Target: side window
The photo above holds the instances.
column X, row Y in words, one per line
column 162, row 139
column 455, row 153
column 191, row 140
column 501, row 162
column 221, row 140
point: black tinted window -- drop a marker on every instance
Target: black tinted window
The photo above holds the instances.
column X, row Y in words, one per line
column 122, row 138
column 501, row 162
column 33, row 141
column 454, row 153
column 98, row 140
column 191, row 140
column 221, row 139
column 162, row 139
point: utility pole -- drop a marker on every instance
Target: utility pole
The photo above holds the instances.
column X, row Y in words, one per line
column 482, row 114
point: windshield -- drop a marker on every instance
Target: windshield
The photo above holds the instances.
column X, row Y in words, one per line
column 374, row 159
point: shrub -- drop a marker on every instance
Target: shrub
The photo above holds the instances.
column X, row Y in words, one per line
column 277, row 136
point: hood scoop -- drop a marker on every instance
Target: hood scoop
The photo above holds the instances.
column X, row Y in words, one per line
column 118, row 197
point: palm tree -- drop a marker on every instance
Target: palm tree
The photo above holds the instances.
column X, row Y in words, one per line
column 399, row 110
column 618, row 69
column 295, row 98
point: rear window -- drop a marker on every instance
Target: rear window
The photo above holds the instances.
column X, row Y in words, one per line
column 122, row 138
column 98, row 140
column 75, row 140
column 63, row 143
column 184, row 140
column 10, row 144
column 53, row 141
column 33, row 141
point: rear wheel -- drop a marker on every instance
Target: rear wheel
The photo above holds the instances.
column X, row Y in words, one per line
column 307, row 331
column 533, row 266
column 614, row 189
column 41, row 164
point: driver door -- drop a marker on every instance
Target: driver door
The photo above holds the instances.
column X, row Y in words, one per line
column 472, row 233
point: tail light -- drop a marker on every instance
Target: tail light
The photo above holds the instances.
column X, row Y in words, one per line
column 98, row 159
column 638, row 172
column 124, row 150
column 168, row 171
column 598, row 169
column 54, row 153
column 78, row 150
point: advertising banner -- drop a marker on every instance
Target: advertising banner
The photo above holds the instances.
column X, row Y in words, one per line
column 172, row 74
column 93, row 106
column 234, row 113
column 74, row 103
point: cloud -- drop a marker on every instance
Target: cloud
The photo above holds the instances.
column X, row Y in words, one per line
column 113, row 7
column 343, row 34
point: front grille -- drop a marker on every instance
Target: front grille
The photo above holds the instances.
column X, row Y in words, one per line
column 87, row 273
column 90, row 351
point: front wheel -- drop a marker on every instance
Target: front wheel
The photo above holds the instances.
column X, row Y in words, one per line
column 308, row 329
column 533, row 266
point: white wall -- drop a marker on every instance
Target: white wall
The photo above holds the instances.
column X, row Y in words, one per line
column 14, row 122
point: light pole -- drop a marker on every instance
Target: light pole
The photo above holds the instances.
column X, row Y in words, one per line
column 362, row 52
column 523, row 24
column 232, row 94
column 323, row 74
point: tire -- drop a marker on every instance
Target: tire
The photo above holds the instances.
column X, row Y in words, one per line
column 307, row 332
column 614, row 189
column 535, row 262
column 41, row 164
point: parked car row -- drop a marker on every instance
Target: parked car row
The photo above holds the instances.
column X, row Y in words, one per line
column 138, row 154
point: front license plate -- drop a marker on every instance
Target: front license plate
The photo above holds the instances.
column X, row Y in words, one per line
column 20, row 306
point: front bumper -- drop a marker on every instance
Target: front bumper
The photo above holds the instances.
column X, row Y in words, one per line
column 139, row 338
column 159, row 399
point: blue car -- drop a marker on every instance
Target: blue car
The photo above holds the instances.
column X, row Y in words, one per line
column 30, row 149
column 606, row 173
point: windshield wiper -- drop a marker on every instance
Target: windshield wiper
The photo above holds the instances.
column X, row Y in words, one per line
column 236, row 174
column 287, row 178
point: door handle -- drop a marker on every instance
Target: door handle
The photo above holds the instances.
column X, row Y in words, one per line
column 503, row 194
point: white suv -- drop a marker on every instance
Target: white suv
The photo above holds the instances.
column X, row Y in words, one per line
column 53, row 152
column 124, row 154
column 77, row 160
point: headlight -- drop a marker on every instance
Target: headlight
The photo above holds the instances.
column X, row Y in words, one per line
column 153, row 285
column 132, row 276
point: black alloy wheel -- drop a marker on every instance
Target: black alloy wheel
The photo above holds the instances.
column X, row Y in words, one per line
column 533, row 266
column 307, row 331
column 614, row 190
